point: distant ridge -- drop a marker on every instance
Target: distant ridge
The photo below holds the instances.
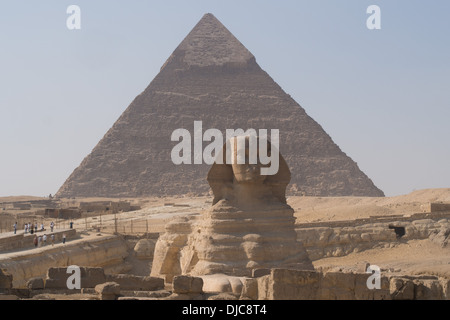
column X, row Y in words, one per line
column 210, row 77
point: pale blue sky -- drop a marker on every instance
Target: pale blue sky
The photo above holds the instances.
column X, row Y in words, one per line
column 382, row 95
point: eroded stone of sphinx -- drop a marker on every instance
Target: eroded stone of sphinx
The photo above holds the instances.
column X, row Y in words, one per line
column 248, row 226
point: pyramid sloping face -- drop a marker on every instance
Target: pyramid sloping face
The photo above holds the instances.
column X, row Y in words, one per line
column 211, row 77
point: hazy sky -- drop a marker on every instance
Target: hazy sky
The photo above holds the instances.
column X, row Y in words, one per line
column 382, row 95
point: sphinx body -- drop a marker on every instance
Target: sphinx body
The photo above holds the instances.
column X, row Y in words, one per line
column 249, row 226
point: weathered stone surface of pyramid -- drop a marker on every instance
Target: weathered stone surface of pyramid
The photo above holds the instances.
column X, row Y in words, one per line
column 210, row 77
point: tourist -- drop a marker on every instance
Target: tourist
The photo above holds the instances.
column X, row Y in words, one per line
column 39, row 241
column 44, row 238
column 15, row 227
column 35, row 241
column 53, row 239
column 42, row 226
column 26, row 228
column 35, row 227
column 31, row 228
column 64, row 238
column 52, row 225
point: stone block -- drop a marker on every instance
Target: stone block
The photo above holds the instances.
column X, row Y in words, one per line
column 286, row 284
column 428, row 290
column 362, row 292
column 108, row 290
column 187, row 284
column 401, row 289
column 256, row 273
column 5, row 279
column 35, row 283
column 144, row 249
column 90, row 277
column 249, row 289
column 137, row 283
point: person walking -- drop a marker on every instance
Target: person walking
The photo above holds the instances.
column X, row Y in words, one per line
column 30, row 227
column 52, row 225
column 53, row 239
column 64, row 238
column 35, row 241
column 42, row 226
column 15, row 227
column 39, row 241
column 35, row 227
column 44, row 238
column 26, row 228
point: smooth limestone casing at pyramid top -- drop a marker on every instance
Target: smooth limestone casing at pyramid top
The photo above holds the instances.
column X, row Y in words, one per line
column 210, row 77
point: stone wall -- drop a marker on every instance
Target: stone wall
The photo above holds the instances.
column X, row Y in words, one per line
column 339, row 238
column 283, row 284
column 437, row 207
column 108, row 252
column 20, row 241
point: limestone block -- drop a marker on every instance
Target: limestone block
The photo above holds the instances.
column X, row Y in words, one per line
column 445, row 284
column 441, row 237
column 216, row 283
column 249, row 289
column 224, row 296
column 90, row 277
column 187, row 284
column 132, row 282
column 108, row 290
column 167, row 254
column 428, row 290
column 285, row 284
column 5, row 279
column 145, row 248
column 337, row 286
column 362, row 292
column 8, row 297
column 401, row 289
column 256, row 273
column 35, row 283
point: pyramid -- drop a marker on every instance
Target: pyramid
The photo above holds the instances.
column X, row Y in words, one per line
column 210, row 77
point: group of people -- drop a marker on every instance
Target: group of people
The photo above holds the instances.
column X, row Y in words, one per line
column 29, row 227
column 42, row 240
column 39, row 241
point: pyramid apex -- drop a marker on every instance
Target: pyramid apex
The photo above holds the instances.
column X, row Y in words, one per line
column 210, row 43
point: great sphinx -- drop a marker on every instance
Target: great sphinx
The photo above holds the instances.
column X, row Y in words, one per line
column 248, row 226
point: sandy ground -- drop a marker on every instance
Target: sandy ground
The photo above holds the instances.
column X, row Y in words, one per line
column 315, row 209
column 413, row 257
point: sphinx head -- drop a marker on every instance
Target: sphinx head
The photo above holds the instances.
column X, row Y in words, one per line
column 246, row 164
column 240, row 164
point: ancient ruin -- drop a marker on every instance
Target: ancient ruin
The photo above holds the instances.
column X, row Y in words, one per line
column 210, row 77
column 249, row 226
